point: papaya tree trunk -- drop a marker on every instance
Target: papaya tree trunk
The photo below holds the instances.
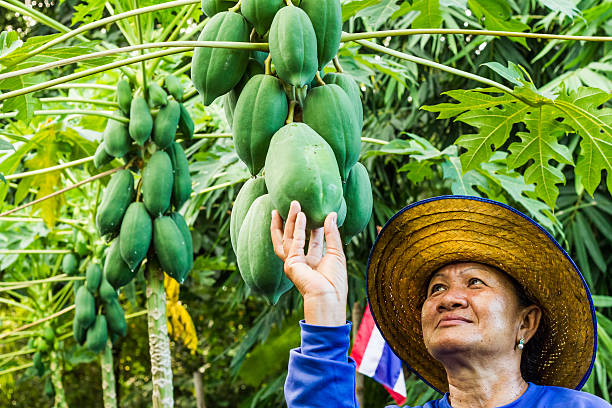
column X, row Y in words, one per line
column 56, row 370
column 356, row 313
column 109, row 394
column 159, row 344
column 199, row 389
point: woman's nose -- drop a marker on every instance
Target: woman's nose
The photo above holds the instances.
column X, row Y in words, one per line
column 452, row 299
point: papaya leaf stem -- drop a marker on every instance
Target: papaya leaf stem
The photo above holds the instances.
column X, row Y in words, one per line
column 212, row 135
column 217, row 187
column 17, row 368
column 337, row 65
column 143, row 62
column 291, row 111
column 44, row 319
column 395, row 33
column 105, row 114
column 319, row 79
column 236, row 8
column 33, row 251
column 62, row 191
column 79, row 100
column 49, row 169
column 268, row 65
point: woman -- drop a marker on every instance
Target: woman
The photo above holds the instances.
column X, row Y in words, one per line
column 476, row 298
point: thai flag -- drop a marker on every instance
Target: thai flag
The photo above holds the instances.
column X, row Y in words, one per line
column 375, row 359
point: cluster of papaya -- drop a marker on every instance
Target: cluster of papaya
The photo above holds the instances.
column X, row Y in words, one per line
column 143, row 218
column 44, row 343
column 298, row 132
column 98, row 314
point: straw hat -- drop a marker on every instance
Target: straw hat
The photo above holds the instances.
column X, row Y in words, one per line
column 424, row 236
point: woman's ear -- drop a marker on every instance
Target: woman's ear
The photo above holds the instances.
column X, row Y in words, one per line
column 531, row 316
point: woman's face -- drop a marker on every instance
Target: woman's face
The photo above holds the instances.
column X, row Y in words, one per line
column 470, row 307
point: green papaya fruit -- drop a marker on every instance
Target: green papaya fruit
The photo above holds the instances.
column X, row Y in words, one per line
column 351, row 88
column 212, row 7
column 116, row 271
column 118, row 194
column 230, row 99
column 85, row 307
column 293, row 46
column 49, row 389
column 259, row 266
column 341, row 213
column 301, row 166
column 106, row 291
column 75, row 286
column 141, row 121
column 181, row 188
column 157, row 181
column 101, row 157
column 326, row 18
column 97, row 335
column 39, row 367
column 157, row 96
column 116, row 137
column 135, row 235
column 260, row 13
column 185, row 124
column 78, row 332
column 261, row 111
column 169, row 247
column 115, row 317
column 124, row 96
column 166, row 122
column 93, row 276
column 48, row 333
column 174, row 87
column 254, row 188
column 215, row 71
column 70, row 264
column 359, row 202
column 327, row 110
column 184, row 228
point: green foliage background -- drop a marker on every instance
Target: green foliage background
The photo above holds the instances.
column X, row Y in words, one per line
column 244, row 343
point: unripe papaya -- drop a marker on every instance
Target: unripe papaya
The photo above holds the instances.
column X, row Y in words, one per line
column 212, row 7
column 348, row 84
column 141, row 121
column 174, row 87
column 49, row 389
column 301, row 166
column 106, row 291
column 259, row 266
column 261, row 111
column 78, row 332
column 116, row 137
column 260, row 13
column 124, row 96
column 115, row 317
column 48, row 333
column 157, row 96
column 102, row 157
column 184, row 228
column 75, row 286
column 326, row 18
column 118, row 194
column 166, row 121
column 254, row 188
column 185, row 124
column 135, row 236
column 157, row 181
column 70, row 264
column 116, row 271
column 293, row 46
column 93, row 276
column 85, row 307
column 97, row 335
column 358, row 196
column 38, row 364
column 341, row 213
column 215, row 71
column 181, row 188
column 254, row 67
column 328, row 112
column 169, row 247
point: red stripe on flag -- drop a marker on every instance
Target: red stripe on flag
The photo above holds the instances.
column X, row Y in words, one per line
column 363, row 336
column 399, row 398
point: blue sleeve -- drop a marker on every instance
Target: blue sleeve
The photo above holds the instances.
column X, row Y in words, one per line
column 320, row 373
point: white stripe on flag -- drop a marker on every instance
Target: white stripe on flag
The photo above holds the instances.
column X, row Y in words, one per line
column 372, row 353
column 400, row 384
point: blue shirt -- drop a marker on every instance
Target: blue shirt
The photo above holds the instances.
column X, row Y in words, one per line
column 322, row 375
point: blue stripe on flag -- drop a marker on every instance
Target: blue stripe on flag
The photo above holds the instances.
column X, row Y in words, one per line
column 388, row 368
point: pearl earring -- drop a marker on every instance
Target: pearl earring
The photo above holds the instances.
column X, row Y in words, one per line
column 521, row 344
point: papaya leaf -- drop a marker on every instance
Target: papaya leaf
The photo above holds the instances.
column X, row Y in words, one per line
column 586, row 236
column 540, row 145
column 462, row 183
column 88, row 11
column 468, row 100
column 379, row 13
column 498, row 16
column 351, row 8
column 511, row 73
column 564, row 7
column 9, row 42
column 580, row 110
column 18, row 54
column 2, row 178
column 429, row 13
column 417, row 171
column 4, row 145
column 59, row 53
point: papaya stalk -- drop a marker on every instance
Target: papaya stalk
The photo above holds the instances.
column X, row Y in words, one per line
column 236, row 8
column 56, row 369
column 337, row 65
column 319, row 79
column 109, row 393
column 291, row 111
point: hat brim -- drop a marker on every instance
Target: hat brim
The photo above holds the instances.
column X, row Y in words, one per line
column 426, row 235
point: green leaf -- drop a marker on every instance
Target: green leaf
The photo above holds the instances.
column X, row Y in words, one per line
column 417, row 171
column 88, row 11
column 351, row 8
column 18, row 54
column 512, row 73
column 564, row 7
column 9, row 42
column 4, row 145
column 379, row 13
column 540, row 145
column 2, row 178
column 602, row 300
column 585, row 234
column 429, row 13
column 468, row 100
column 498, row 16
column 462, row 184
column 580, row 110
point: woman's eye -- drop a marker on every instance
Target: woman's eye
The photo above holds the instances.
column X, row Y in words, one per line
column 437, row 288
column 475, row 281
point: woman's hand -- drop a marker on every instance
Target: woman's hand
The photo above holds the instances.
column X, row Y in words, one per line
column 322, row 280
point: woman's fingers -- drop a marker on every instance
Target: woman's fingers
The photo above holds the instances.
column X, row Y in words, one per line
column 332, row 238
column 276, row 231
column 315, row 247
column 294, row 209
